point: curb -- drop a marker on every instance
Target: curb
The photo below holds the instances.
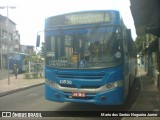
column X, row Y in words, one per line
column 20, row 89
column 135, row 102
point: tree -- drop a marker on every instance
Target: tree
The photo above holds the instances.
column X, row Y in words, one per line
column 42, row 51
column 140, row 40
column 34, row 65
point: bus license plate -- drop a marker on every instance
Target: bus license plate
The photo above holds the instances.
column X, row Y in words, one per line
column 78, row 94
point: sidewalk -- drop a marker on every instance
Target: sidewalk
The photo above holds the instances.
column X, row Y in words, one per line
column 148, row 99
column 18, row 84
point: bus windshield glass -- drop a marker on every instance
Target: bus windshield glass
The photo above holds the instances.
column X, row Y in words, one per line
column 83, row 48
column 14, row 56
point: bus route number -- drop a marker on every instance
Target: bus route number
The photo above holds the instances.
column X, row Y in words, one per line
column 67, row 82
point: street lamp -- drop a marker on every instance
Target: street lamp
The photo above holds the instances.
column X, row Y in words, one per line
column 1, row 45
column 3, row 7
column 1, row 48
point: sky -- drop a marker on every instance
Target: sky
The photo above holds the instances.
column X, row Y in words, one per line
column 30, row 15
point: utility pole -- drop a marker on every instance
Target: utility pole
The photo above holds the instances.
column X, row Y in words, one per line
column 159, row 71
column 1, row 47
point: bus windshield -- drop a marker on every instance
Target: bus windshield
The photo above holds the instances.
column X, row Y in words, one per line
column 83, row 48
column 14, row 56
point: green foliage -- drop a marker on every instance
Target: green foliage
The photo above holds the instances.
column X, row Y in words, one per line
column 42, row 51
column 139, row 42
column 35, row 75
column 27, row 76
column 36, row 66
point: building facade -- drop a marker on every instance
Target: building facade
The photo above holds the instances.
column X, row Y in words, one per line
column 28, row 49
column 148, row 58
column 9, row 39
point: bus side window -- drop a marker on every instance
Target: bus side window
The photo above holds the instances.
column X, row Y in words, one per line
column 129, row 40
column 125, row 42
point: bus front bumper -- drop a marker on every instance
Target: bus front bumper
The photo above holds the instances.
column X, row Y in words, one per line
column 114, row 96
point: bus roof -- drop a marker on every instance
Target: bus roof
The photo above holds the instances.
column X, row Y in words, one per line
column 18, row 53
column 89, row 17
column 85, row 11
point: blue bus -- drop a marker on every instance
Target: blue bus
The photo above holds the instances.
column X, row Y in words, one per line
column 17, row 58
column 90, row 58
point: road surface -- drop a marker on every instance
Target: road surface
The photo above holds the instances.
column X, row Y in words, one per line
column 33, row 100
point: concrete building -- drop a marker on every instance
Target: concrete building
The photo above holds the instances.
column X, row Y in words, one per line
column 12, row 41
column 148, row 57
column 28, row 49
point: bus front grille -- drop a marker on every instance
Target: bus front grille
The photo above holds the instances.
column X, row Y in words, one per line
column 82, row 86
column 81, row 76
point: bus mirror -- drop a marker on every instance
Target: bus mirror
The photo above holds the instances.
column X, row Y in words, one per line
column 38, row 41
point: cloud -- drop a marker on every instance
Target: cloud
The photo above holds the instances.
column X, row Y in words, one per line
column 30, row 14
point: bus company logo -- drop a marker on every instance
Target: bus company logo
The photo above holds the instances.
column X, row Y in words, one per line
column 6, row 114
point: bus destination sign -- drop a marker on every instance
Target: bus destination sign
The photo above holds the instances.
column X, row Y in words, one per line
column 87, row 18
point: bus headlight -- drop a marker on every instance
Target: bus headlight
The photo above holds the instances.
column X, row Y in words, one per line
column 110, row 85
column 51, row 83
column 114, row 85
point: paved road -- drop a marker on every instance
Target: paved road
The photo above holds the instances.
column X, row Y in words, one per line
column 33, row 100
